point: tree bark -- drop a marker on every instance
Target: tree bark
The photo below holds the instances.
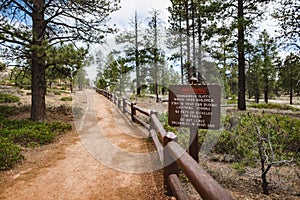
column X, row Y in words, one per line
column 38, row 67
column 188, row 43
column 291, row 89
column 199, row 75
column 181, row 48
column 137, row 62
column 266, row 91
column 257, row 96
column 155, row 14
column 194, row 73
column 265, row 183
column 241, row 58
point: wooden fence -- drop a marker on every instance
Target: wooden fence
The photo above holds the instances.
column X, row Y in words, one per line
column 172, row 156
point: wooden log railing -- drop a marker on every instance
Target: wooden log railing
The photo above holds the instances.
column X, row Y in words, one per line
column 172, row 156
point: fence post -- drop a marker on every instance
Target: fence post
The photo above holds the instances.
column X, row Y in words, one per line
column 170, row 166
column 119, row 103
column 115, row 99
column 133, row 111
column 124, row 105
column 194, row 143
column 151, row 122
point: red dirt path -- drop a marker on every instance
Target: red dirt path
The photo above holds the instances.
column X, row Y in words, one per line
column 66, row 170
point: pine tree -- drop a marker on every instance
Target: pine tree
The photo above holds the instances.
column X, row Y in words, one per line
column 289, row 75
column 241, row 15
column 30, row 27
column 267, row 49
column 288, row 16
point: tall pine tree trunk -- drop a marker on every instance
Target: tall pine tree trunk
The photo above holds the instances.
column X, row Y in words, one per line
column 194, row 38
column 257, row 96
column 181, row 48
column 137, row 62
column 266, row 91
column 188, row 43
column 199, row 75
column 291, row 89
column 155, row 14
column 38, row 68
column 181, row 57
column 241, row 58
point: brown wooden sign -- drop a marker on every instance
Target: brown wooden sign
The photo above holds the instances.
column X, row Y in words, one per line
column 195, row 106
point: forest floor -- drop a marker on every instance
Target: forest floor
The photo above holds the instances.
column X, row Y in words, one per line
column 71, row 167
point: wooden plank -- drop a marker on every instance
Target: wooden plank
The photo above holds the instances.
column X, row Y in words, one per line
column 158, row 127
column 204, row 183
column 157, row 144
column 141, row 122
column 177, row 188
column 194, row 143
column 127, row 102
column 127, row 111
column 145, row 112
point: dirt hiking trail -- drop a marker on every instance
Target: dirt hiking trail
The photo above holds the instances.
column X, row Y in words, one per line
column 106, row 158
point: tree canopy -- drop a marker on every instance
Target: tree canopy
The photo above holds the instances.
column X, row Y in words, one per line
column 29, row 28
column 288, row 16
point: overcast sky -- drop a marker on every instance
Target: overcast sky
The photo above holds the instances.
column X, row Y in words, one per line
column 122, row 17
column 143, row 7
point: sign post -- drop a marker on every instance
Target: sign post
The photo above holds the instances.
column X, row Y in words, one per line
column 196, row 107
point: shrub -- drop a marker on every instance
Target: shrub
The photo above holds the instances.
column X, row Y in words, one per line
column 66, row 99
column 273, row 106
column 8, row 98
column 7, row 110
column 26, row 87
column 10, row 154
column 240, row 136
column 57, row 93
column 59, row 127
column 29, row 136
column 239, row 167
column 232, row 101
column 62, row 109
column 28, row 133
